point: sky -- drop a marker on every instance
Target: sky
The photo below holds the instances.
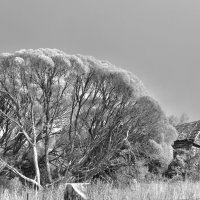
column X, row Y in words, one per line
column 157, row 40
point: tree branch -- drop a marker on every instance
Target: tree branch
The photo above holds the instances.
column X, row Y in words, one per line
column 23, row 131
column 19, row 174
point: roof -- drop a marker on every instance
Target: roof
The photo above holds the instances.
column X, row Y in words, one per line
column 188, row 130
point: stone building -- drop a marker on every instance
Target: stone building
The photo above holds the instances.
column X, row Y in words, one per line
column 189, row 136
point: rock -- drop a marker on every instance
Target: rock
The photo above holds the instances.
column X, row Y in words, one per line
column 78, row 191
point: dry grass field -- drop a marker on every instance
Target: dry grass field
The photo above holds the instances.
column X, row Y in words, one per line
column 141, row 191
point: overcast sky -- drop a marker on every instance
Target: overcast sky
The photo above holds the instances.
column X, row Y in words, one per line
column 158, row 40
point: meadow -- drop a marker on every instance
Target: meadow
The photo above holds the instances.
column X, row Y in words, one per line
column 140, row 191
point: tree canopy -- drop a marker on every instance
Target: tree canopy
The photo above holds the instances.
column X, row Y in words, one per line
column 74, row 114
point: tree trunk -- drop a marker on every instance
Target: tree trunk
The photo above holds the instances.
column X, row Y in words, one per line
column 34, row 146
column 47, row 164
column 37, row 170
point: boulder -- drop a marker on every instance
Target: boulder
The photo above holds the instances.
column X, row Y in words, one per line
column 78, row 191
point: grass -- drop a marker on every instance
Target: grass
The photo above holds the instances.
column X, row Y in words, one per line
column 142, row 191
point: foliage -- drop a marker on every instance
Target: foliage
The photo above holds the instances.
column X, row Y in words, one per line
column 76, row 117
column 185, row 165
column 174, row 120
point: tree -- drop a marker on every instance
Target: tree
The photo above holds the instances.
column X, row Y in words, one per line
column 100, row 116
column 76, row 115
column 174, row 120
column 34, row 85
column 110, row 108
column 152, row 130
column 184, row 118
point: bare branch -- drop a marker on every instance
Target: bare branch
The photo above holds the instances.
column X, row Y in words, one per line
column 18, row 124
column 19, row 174
column 11, row 98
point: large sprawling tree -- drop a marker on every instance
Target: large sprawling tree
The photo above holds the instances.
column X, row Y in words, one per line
column 73, row 113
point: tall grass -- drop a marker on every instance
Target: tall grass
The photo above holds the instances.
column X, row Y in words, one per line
column 141, row 191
